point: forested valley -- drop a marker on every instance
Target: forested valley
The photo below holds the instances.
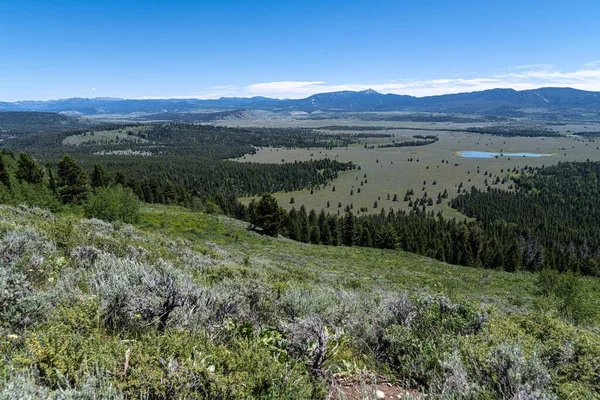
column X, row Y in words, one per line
column 110, row 242
column 545, row 222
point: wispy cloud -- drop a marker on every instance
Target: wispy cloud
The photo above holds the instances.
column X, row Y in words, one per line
column 93, row 89
column 534, row 66
column 283, row 87
column 520, row 78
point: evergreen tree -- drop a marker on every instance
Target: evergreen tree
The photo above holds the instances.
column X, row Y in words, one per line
column 324, row 228
column 120, row 179
column 269, row 216
column 386, row 238
column 304, row 225
column 72, row 181
column 348, row 238
column 98, row 177
column 4, row 176
column 252, row 211
column 334, row 227
column 315, row 235
column 293, row 228
column 28, row 170
column 365, row 238
column 312, row 218
column 513, row 256
column 51, row 179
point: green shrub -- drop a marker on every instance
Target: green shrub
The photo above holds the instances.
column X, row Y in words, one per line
column 212, row 208
column 75, row 347
column 113, row 204
column 30, row 194
column 20, row 306
column 515, row 374
column 416, row 347
column 561, row 291
column 534, row 353
column 64, row 233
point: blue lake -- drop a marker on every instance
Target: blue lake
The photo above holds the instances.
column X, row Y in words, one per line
column 491, row 154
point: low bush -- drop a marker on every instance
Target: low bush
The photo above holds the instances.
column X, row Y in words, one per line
column 113, row 204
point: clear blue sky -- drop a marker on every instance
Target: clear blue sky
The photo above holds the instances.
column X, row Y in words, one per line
column 151, row 48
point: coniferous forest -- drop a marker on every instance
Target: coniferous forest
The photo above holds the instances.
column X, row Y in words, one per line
column 547, row 222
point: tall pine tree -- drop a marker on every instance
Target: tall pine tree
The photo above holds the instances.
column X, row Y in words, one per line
column 269, row 216
column 4, row 177
column 72, row 181
column 28, row 170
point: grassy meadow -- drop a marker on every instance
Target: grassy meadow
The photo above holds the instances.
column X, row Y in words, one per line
column 106, row 137
column 389, row 171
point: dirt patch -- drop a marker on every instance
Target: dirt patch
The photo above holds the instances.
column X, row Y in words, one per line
column 361, row 389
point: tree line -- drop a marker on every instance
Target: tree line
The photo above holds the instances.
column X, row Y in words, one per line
column 423, row 140
column 24, row 181
column 193, row 161
column 550, row 221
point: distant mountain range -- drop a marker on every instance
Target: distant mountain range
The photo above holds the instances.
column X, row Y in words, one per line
column 488, row 102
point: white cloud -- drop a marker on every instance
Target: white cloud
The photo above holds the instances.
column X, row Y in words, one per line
column 534, row 66
column 93, row 89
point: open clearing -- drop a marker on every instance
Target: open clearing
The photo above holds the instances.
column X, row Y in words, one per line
column 389, row 171
column 114, row 136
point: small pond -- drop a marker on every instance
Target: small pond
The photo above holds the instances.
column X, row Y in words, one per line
column 491, row 154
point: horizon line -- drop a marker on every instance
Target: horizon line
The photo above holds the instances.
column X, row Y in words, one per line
column 287, row 98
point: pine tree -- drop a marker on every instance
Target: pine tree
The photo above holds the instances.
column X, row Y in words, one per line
column 72, row 181
column 51, row 179
column 28, row 170
column 120, row 179
column 269, row 216
column 98, row 177
column 386, row 237
column 325, row 232
column 365, row 238
column 348, row 238
column 293, row 228
column 312, row 218
column 513, row 256
column 4, row 176
column 252, row 211
column 334, row 228
column 315, row 235
column 304, row 225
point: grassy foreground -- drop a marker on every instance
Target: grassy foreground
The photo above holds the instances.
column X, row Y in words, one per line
column 190, row 305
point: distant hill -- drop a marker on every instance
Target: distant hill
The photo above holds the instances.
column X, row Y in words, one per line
column 195, row 117
column 488, row 102
column 22, row 122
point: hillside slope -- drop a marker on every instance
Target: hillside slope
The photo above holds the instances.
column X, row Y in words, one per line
column 23, row 122
column 193, row 305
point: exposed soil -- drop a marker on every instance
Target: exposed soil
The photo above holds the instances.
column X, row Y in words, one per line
column 355, row 389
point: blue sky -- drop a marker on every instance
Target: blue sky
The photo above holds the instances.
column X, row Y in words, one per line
column 206, row 49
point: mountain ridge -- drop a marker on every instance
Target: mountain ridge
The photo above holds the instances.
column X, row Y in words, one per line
column 341, row 101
